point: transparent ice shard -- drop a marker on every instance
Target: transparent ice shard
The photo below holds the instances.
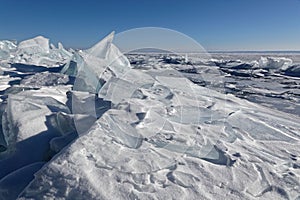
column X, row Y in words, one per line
column 125, row 87
column 94, row 66
column 87, row 81
column 86, row 108
column 116, row 124
column 105, row 56
column 153, row 123
column 86, row 78
column 116, row 90
column 101, row 49
column 194, row 115
column 83, row 103
column 71, row 67
column 64, row 123
column 118, row 63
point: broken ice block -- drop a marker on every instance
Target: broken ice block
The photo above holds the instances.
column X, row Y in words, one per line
column 38, row 44
column 6, row 48
column 38, row 51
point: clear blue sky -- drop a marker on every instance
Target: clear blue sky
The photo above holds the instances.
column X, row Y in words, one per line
column 216, row 24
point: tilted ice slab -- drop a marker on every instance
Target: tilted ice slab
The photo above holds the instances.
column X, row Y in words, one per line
column 95, row 65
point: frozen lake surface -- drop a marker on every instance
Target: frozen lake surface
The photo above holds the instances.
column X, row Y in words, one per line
column 97, row 124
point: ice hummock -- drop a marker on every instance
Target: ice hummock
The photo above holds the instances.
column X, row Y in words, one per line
column 38, row 44
column 279, row 63
column 38, row 51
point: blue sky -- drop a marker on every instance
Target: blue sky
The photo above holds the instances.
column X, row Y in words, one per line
column 215, row 24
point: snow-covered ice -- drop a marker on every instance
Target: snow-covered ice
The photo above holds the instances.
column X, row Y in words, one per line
column 97, row 124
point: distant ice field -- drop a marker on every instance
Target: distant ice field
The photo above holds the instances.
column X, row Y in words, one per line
column 249, row 56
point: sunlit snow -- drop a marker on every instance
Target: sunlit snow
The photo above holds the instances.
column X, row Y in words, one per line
column 97, row 124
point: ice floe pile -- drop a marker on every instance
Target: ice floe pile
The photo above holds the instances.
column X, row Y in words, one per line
column 96, row 124
column 36, row 51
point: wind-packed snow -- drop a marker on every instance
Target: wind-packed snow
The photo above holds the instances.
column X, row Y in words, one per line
column 96, row 124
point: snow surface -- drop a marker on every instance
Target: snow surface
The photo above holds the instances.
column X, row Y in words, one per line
column 96, row 124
